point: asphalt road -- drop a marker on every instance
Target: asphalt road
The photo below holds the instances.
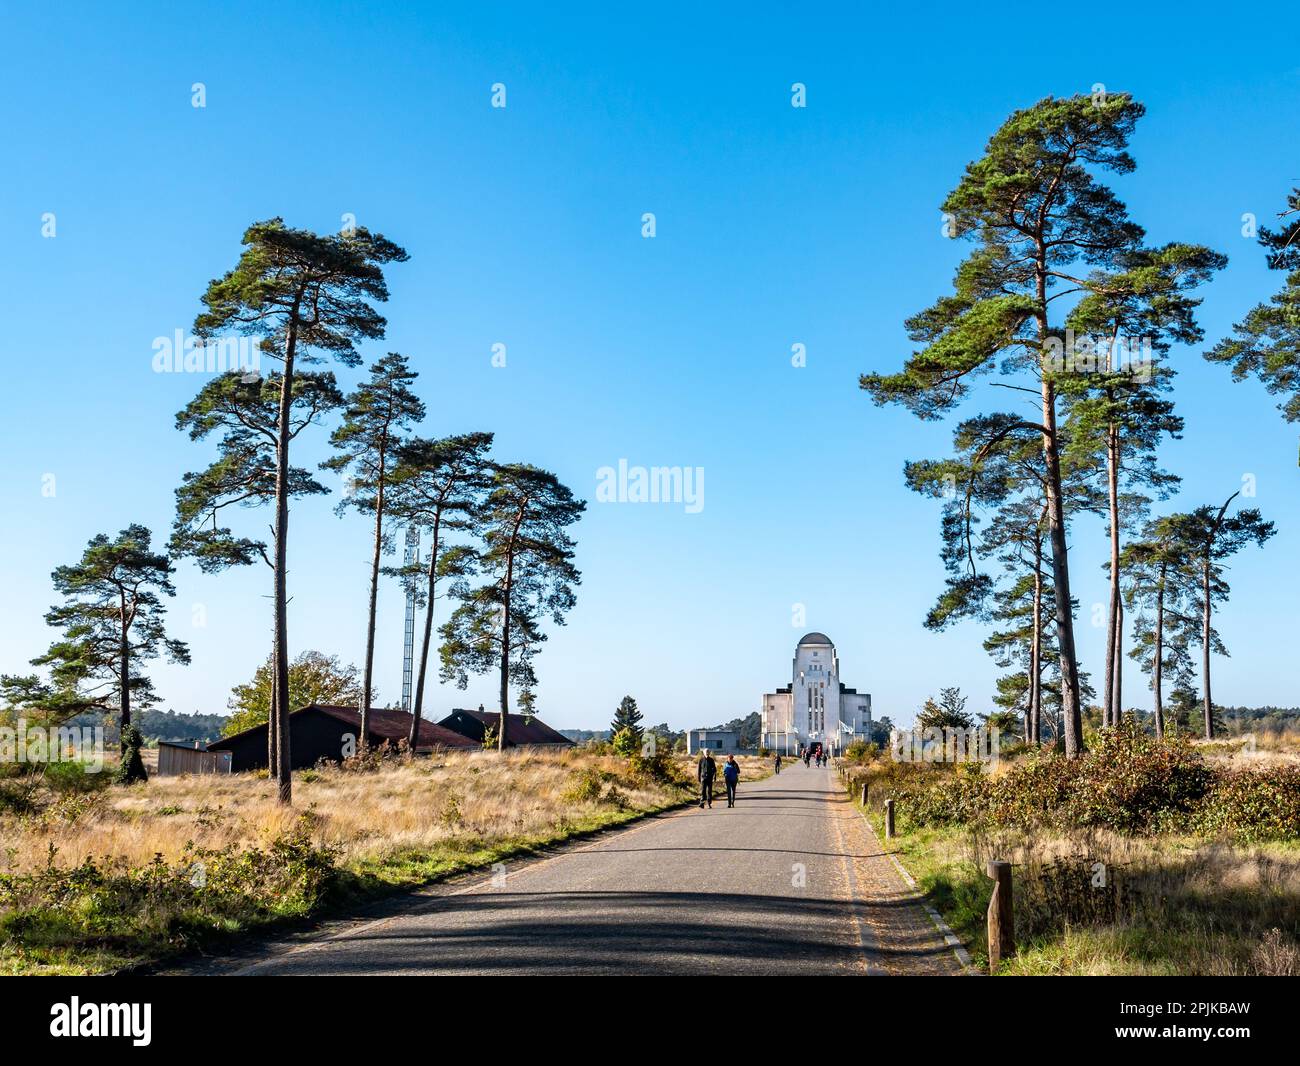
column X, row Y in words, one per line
column 790, row 881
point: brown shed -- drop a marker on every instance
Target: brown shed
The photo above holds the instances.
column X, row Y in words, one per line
column 327, row 732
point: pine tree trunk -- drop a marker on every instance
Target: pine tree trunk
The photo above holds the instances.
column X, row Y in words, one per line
column 1157, row 665
column 1117, row 700
column 1205, row 647
column 1110, row 709
column 418, row 706
column 123, row 675
column 505, row 625
column 273, row 730
column 505, row 656
column 368, row 673
column 1036, row 660
column 1071, row 711
column 281, row 703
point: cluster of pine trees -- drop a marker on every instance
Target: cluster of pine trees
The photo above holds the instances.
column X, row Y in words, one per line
column 497, row 532
column 1066, row 309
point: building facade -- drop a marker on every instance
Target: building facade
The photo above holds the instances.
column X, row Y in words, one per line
column 816, row 707
column 718, row 741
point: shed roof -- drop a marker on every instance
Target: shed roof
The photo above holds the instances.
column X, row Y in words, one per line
column 520, row 729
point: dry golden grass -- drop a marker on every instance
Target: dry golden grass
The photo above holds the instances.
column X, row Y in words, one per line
column 1183, row 906
column 424, row 805
column 1258, row 751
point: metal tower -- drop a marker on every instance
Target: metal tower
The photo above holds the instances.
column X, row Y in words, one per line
column 408, row 644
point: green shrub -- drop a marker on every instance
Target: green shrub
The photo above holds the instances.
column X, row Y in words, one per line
column 1253, row 805
column 586, row 787
column 1127, row 782
column 1132, row 783
column 625, row 743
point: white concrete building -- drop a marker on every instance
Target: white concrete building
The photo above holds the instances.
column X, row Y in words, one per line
column 815, row 708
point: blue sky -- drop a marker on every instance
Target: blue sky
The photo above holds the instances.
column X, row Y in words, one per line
column 775, row 226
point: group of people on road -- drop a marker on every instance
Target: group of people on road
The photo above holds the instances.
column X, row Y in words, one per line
column 808, row 757
column 706, row 770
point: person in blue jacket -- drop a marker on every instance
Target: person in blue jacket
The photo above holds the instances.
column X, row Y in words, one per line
column 730, row 775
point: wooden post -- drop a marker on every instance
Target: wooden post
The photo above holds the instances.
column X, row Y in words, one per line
column 1002, row 924
column 889, row 819
column 864, row 793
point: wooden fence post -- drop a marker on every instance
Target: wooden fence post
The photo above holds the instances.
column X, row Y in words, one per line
column 1002, row 923
column 864, row 793
column 889, row 819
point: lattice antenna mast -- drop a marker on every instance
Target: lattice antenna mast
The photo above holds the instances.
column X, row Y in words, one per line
column 408, row 641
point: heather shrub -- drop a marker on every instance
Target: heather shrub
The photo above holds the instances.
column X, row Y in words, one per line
column 1132, row 783
column 1252, row 805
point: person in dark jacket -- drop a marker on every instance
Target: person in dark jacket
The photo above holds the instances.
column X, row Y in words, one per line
column 706, row 770
column 730, row 775
column 778, row 762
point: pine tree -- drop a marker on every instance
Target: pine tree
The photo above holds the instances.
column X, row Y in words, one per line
column 300, row 292
column 1036, row 211
column 112, row 619
column 1118, row 407
column 377, row 413
column 995, row 511
column 1208, row 536
column 1266, row 344
column 946, row 712
column 245, row 412
column 1160, row 582
column 627, row 717
column 527, row 565
column 438, row 486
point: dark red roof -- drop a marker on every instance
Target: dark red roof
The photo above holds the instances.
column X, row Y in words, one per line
column 520, row 729
column 385, row 724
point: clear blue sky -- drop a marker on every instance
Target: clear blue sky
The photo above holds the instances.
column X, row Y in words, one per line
column 776, row 226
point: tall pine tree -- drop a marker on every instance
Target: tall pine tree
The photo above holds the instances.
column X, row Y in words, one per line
column 381, row 409
column 438, row 486
column 1208, row 537
column 1117, row 396
column 301, row 293
column 526, row 563
column 1036, row 212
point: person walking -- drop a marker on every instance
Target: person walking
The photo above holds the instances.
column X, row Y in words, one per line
column 778, row 762
column 730, row 775
column 706, row 770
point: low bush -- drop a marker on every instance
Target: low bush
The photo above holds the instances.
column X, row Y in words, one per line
column 1127, row 782
column 1253, row 805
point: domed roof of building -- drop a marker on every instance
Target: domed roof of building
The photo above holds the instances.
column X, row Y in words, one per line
column 815, row 638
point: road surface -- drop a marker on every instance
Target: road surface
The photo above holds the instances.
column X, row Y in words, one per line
column 790, row 881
